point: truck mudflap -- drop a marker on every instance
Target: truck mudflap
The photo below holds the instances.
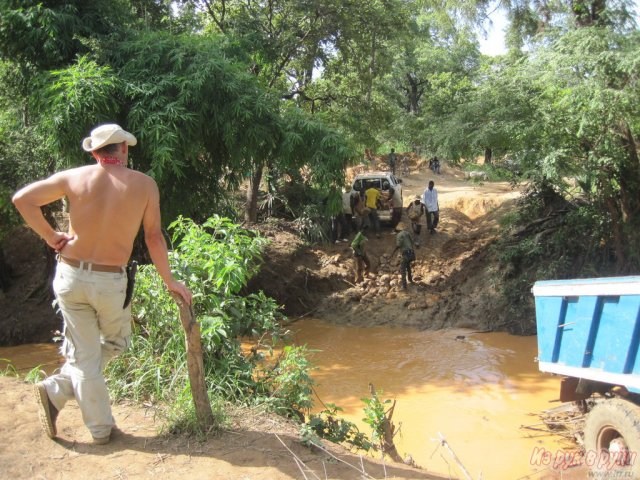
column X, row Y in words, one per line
column 569, row 390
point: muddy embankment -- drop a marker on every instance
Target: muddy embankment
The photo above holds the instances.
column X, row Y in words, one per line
column 26, row 296
column 457, row 282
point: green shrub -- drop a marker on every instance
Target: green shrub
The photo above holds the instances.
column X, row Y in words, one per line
column 311, row 224
column 328, row 425
column 216, row 260
column 374, row 411
column 9, row 369
column 548, row 241
column 181, row 415
column 290, row 383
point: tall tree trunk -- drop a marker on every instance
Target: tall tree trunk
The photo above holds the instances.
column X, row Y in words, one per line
column 629, row 176
column 617, row 233
column 588, row 12
column 612, row 205
column 414, row 95
column 251, row 213
column 372, row 69
column 488, row 156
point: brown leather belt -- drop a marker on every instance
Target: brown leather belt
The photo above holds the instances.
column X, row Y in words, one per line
column 95, row 267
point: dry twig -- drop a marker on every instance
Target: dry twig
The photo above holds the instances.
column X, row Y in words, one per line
column 297, row 459
column 444, row 443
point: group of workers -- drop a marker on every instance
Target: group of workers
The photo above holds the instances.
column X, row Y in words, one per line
column 426, row 205
column 364, row 207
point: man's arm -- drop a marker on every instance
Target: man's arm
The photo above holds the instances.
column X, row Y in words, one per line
column 28, row 201
column 157, row 246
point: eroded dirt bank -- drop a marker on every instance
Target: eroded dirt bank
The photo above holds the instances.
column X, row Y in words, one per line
column 455, row 286
column 453, row 269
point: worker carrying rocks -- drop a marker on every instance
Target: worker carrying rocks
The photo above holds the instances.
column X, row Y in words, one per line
column 361, row 261
column 415, row 211
column 404, row 243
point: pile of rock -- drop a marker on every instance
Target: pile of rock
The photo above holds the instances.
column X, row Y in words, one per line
column 385, row 286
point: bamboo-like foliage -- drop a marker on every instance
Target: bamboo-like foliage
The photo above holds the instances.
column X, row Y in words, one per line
column 202, row 121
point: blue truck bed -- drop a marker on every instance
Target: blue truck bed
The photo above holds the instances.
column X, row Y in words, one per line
column 590, row 328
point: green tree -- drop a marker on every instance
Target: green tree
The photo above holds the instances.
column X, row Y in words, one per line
column 203, row 119
column 532, row 21
column 588, row 105
column 431, row 78
column 284, row 41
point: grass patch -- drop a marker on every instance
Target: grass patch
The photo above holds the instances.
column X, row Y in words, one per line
column 35, row 375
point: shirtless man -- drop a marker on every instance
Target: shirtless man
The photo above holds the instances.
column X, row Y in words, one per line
column 107, row 204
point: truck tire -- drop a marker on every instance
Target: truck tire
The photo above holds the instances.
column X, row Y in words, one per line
column 612, row 437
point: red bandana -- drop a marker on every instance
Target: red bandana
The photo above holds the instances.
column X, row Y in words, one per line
column 107, row 160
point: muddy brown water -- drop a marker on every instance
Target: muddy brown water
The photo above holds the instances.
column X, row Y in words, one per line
column 477, row 390
column 23, row 358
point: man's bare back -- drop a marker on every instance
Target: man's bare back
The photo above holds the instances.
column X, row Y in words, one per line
column 107, row 204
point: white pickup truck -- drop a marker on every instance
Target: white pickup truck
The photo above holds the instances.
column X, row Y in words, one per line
column 391, row 188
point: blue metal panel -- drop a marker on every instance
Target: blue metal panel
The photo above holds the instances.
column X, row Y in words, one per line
column 594, row 331
column 615, row 341
column 581, row 329
column 632, row 364
column 549, row 335
column 576, row 330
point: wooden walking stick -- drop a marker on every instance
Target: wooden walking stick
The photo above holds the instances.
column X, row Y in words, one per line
column 194, row 363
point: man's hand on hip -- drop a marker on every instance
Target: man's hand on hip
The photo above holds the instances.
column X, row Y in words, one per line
column 59, row 240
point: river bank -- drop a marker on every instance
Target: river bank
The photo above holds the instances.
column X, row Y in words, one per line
column 455, row 268
column 480, row 391
column 256, row 446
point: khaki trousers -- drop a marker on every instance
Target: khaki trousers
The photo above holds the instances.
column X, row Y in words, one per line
column 96, row 328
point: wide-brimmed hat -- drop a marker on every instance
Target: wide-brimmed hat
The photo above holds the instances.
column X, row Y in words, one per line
column 417, row 197
column 106, row 135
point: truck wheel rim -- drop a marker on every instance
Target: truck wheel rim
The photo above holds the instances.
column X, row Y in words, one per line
column 611, row 442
